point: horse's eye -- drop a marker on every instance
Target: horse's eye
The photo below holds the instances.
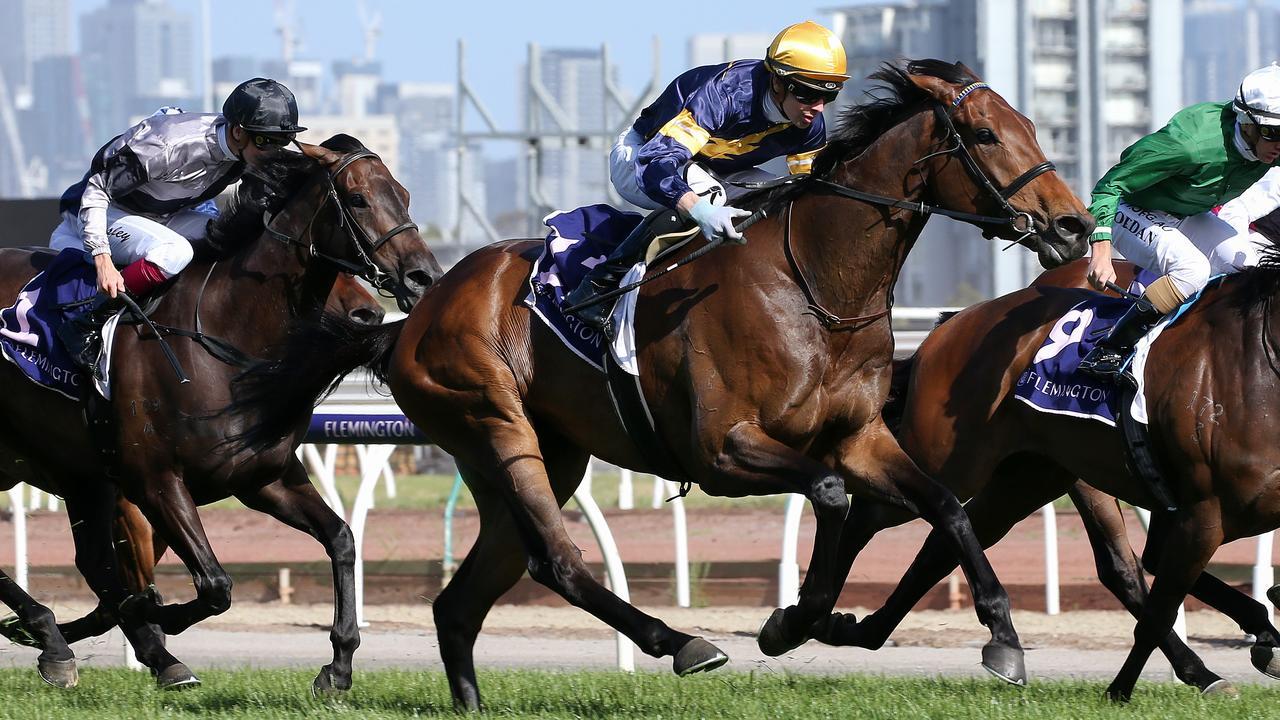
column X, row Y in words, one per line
column 357, row 200
column 985, row 136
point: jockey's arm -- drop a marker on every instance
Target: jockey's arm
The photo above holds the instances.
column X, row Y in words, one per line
column 122, row 172
column 1143, row 164
column 1260, row 200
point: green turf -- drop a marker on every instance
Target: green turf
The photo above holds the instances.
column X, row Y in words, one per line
column 275, row 694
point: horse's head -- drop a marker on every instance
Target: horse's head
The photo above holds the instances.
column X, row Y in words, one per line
column 375, row 238
column 984, row 159
column 349, row 299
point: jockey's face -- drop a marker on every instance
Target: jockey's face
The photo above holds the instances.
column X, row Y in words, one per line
column 252, row 147
column 1268, row 151
column 799, row 104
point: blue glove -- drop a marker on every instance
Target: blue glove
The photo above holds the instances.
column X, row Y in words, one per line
column 716, row 221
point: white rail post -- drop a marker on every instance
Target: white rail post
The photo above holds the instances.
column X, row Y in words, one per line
column 19, row 536
column 372, row 458
column 1264, row 575
column 612, row 562
column 659, row 488
column 681, row 528
column 626, row 490
column 1051, row 604
column 788, row 567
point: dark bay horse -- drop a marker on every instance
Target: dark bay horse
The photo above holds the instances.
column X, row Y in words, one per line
column 756, row 383
column 1211, row 395
column 331, row 207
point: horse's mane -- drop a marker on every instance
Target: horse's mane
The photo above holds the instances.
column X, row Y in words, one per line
column 1261, row 282
column 262, row 192
column 892, row 99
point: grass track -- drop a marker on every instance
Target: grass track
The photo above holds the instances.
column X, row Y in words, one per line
column 278, row 694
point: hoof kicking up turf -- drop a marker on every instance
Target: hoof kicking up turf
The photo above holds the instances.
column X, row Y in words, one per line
column 177, row 677
column 698, row 655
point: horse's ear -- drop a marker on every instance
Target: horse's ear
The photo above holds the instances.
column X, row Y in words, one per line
column 322, row 155
column 942, row 91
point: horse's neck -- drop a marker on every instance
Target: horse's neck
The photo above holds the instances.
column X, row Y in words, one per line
column 852, row 251
column 260, row 289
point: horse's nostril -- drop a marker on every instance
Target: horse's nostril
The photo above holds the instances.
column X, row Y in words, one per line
column 1069, row 226
column 421, row 278
column 366, row 316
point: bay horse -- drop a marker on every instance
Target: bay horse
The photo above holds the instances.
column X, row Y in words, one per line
column 1210, row 392
column 138, row 548
column 272, row 258
column 755, row 381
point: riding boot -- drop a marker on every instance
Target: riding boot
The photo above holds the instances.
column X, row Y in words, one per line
column 606, row 276
column 82, row 335
column 1108, row 357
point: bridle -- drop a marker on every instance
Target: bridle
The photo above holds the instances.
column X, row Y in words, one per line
column 364, row 266
column 1011, row 217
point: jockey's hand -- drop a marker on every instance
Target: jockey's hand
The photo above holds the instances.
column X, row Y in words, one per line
column 716, row 221
column 110, row 281
column 1101, row 271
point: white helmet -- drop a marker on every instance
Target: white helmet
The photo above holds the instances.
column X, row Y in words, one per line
column 1258, row 100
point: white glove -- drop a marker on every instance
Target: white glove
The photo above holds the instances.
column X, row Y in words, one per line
column 716, row 221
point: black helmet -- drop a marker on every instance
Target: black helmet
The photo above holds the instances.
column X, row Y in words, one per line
column 262, row 105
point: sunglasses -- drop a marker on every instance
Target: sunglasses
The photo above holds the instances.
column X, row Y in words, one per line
column 266, row 142
column 1270, row 133
column 811, row 96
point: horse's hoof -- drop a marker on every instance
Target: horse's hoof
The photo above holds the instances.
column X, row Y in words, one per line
column 17, row 633
column 772, row 640
column 1221, row 688
column 1265, row 659
column 1005, row 663
column 324, row 685
column 59, row 673
column 177, row 677
column 698, row 655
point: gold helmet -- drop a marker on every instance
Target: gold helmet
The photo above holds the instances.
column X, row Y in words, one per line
column 809, row 54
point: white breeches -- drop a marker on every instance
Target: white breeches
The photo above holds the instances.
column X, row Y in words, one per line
column 1189, row 250
column 167, row 245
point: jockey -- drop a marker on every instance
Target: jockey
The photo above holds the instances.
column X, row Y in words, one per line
column 140, row 204
column 724, row 120
column 1156, row 206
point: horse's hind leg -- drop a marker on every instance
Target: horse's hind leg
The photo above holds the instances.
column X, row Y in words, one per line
column 293, row 500
column 57, row 664
column 1119, row 571
column 553, row 560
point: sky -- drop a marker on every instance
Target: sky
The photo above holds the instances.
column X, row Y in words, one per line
column 419, row 37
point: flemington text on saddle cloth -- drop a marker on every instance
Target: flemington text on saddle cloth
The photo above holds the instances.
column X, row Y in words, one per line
column 1053, row 383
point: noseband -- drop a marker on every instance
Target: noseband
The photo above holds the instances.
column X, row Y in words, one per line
column 364, row 247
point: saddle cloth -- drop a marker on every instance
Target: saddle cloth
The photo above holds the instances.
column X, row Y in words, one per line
column 579, row 240
column 1053, row 383
column 29, row 327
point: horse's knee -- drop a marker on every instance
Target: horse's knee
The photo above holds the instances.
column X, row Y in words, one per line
column 560, row 573
column 344, row 546
column 215, row 592
column 828, row 494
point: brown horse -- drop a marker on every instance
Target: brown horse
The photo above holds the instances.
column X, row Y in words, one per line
column 138, row 549
column 755, row 383
column 332, row 207
column 1210, row 392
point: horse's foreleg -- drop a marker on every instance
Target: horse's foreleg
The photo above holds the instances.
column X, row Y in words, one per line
column 1252, row 616
column 494, row 563
column 1194, row 534
column 753, row 463
column 1118, row 570
column 965, row 531
column 91, row 514
column 169, row 508
column 293, row 500
column 516, row 467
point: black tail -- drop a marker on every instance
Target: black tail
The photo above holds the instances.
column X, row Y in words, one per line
column 277, row 396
